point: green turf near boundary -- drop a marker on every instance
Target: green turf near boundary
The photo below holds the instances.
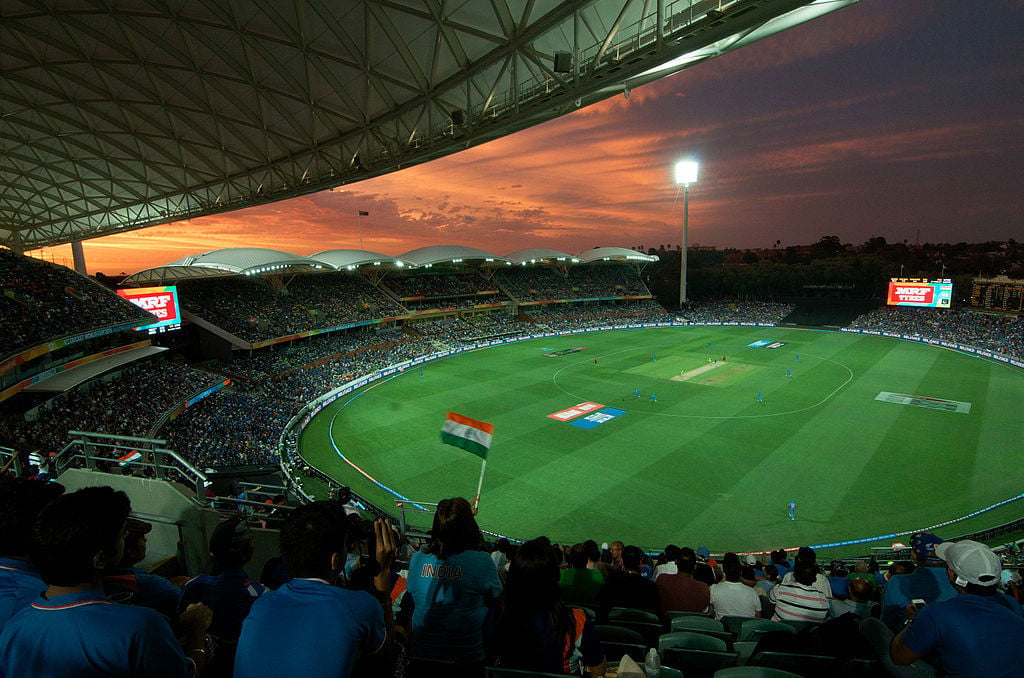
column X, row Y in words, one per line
column 705, row 463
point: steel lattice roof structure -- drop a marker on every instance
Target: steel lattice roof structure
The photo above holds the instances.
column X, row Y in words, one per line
column 116, row 116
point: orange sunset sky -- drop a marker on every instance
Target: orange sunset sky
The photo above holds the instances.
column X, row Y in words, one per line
column 886, row 118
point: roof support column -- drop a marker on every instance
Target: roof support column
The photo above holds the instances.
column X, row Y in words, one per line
column 78, row 255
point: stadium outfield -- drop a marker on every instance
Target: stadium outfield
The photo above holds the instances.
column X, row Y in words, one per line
column 870, row 436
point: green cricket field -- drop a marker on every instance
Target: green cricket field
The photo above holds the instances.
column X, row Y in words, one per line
column 696, row 435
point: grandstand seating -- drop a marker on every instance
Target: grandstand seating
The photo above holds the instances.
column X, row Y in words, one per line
column 243, row 425
column 41, row 301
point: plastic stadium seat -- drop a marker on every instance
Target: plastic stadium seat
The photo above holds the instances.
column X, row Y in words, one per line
column 697, row 663
column 705, row 625
column 649, row 631
column 801, row 626
column 672, row 614
column 753, row 672
column 753, row 629
column 806, row 665
column 617, row 634
column 733, row 623
column 691, row 640
column 632, row 614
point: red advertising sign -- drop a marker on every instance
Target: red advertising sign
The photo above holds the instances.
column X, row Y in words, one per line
column 573, row 412
column 911, row 293
column 160, row 301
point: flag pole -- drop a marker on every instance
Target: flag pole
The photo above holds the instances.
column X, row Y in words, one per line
column 480, row 485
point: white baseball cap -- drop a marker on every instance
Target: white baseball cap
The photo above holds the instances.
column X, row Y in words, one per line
column 971, row 562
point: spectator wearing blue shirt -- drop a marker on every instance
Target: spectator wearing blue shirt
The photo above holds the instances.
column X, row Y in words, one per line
column 311, row 626
column 452, row 585
column 21, row 500
column 928, row 581
column 132, row 585
column 977, row 633
column 74, row 629
column 230, row 592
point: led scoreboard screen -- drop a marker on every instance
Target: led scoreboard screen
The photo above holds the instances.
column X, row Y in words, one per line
column 161, row 302
column 918, row 292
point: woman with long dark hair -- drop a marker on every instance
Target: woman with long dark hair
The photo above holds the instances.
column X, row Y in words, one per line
column 452, row 584
column 534, row 629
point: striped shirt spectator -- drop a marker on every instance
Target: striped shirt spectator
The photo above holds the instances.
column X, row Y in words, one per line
column 798, row 599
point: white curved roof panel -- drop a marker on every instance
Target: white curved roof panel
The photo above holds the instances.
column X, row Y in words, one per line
column 534, row 255
column 615, row 254
column 450, row 254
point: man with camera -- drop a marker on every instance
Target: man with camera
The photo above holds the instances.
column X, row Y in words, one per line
column 311, row 626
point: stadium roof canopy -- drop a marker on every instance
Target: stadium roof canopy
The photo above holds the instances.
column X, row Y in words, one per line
column 256, row 261
column 349, row 259
column 448, row 254
column 228, row 261
column 535, row 255
column 116, row 116
column 615, row 254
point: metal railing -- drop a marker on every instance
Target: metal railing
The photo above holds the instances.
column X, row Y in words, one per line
column 104, row 451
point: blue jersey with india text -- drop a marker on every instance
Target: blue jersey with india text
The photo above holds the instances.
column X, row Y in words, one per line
column 451, row 598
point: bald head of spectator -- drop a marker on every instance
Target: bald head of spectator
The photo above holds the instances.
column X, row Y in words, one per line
column 861, row 590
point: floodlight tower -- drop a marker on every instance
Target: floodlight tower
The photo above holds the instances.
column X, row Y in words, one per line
column 686, row 174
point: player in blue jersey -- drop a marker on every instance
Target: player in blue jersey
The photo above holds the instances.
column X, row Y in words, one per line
column 792, row 510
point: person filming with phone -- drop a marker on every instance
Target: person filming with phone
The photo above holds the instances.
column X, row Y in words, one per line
column 977, row 633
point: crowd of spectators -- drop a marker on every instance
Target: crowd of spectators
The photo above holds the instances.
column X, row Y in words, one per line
column 567, row 317
column 456, row 604
column 339, row 298
column 248, row 308
column 41, row 301
column 129, row 403
column 231, row 428
column 534, row 283
column 273, row 360
column 605, row 281
column 578, row 282
column 437, row 286
column 254, row 310
column 722, row 311
column 1003, row 334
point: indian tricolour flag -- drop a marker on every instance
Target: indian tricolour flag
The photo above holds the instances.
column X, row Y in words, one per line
column 469, row 434
column 134, row 455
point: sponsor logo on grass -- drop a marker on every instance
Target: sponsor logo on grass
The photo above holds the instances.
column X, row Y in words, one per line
column 598, row 418
column 776, row 344
column 759, row 343
column 575, row 411
column 924, row 401
column 564, row 351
